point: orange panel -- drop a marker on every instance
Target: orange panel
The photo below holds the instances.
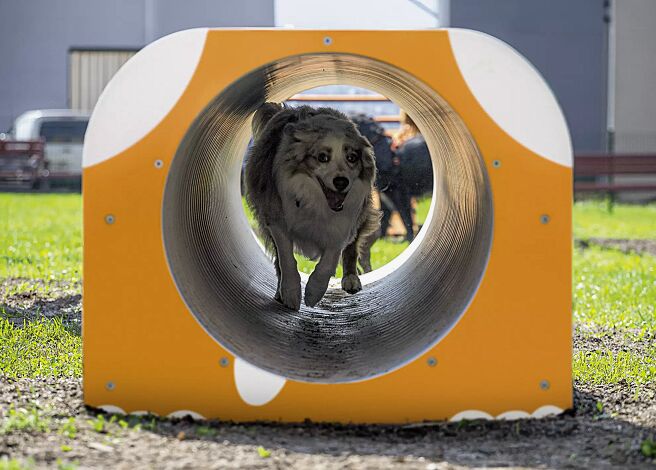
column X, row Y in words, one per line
column 516, row 333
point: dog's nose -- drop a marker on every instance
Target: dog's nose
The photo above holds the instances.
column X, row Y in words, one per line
column 341, row 183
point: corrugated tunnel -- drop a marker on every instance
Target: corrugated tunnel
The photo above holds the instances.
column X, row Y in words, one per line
column 228, row 282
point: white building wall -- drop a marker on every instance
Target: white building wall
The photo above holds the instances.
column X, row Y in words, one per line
column 635, row 76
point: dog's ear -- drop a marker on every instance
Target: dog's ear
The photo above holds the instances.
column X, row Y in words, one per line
column 300, row 132
column 269, row 133
column 364, row 142
column 263, row 115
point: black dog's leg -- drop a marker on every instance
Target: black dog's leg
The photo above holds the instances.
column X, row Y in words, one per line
column 386, row 208
column 401, row 198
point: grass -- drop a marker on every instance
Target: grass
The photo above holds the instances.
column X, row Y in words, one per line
column 15, row 464
column 41, row 243
column 604, row 367
column 41, row 347
column 41, row 237
column 24, row 420
column 613, row 288
column 592, row 219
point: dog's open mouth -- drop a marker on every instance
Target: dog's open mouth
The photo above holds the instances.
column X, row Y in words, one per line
column 335, row 199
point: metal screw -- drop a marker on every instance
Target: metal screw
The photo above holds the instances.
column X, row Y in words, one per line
column 544, row 385
column 432, row 362
column 109, row 219
column 327, row 40
column 159, row 163
column 224, row 362
column 496, row 163
column 110, row 386
column 544, row 219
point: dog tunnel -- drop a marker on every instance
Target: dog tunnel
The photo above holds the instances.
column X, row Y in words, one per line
column 179, row 293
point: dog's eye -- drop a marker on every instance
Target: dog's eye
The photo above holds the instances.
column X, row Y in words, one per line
column 323, row 157
column 352, row 157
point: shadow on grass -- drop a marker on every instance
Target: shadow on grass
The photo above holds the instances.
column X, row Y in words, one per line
column 28, row 308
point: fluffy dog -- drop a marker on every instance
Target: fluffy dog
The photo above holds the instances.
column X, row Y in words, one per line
column 309, row 178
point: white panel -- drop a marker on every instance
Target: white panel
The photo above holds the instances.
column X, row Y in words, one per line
column 112, row 409
column 543, row 411
column 256, row 386
column 141, row 94
column 513, row 93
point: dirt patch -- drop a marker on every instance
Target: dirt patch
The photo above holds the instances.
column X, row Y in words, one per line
column 605, row 431
column 613, row 340
column 23, row 299
column 621, row 244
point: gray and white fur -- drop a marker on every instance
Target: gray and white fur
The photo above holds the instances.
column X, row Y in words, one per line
column 309, row 179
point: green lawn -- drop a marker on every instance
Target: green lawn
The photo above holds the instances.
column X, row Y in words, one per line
column 41, row 246
column 39, row 347
column 592, row 219
column 613, row 288
column 41, row 237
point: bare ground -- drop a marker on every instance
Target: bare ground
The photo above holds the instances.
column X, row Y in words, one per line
column 608, row 435
column 622, row 244
column 607, row 428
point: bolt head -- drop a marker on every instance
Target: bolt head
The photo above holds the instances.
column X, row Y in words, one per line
column 159, row 163
column 109, row 219
column 224, row 362
column 327, row 41
column 431, row 361
column 545, row 385
column 496, row 163
column 110, row 386
column 544, row 219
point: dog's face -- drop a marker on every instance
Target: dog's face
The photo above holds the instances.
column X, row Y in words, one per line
column 332, row 152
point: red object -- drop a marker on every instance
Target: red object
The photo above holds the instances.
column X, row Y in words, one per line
column 597, row 172
column 23, row 164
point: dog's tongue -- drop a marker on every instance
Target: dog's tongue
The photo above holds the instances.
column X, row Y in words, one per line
column 335, row 200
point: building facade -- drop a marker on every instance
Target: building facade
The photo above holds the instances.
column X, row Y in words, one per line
column 47, row 45
column 61, row 54
column 566, row 41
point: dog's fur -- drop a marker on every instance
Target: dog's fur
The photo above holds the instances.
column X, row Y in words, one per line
column 299, row 158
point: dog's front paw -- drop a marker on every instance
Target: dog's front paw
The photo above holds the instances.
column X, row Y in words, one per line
column 315, row 289
column 351, row 283
column 289, row 294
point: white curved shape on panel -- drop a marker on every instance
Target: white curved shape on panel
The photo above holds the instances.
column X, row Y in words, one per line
column 515, row 414
column 546, row 410
column 184, row 413
column 112, row 409
column 141, row 94
column 471, row 415
column 256, row 387
column 513, row 93
column 140, row 413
